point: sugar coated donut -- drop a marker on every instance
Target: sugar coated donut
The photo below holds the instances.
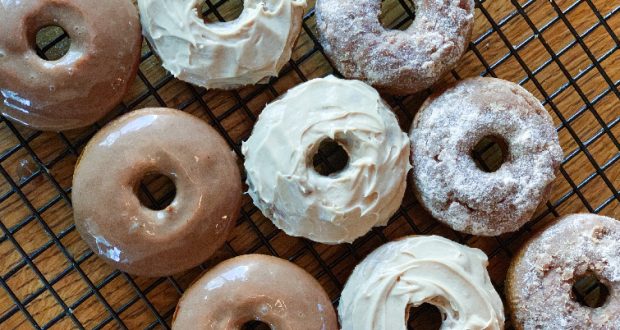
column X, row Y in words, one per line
column 445, row 177
column 225, row 55
column 134, row 238
column 255, row 288
column 416, row 270
column 342, row 206
column 82, row 86
column 540, row 279
column 399, row 62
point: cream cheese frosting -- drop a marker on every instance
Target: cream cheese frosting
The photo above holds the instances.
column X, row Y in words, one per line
column 244, row 51
column 342, row 206
column 417, row 270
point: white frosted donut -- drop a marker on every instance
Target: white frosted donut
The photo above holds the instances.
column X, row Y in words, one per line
column 416, row 270
column 445, row 176
column 245, row 51
column 342, row 206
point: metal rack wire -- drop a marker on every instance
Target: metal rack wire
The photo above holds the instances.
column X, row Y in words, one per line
column 77, row 291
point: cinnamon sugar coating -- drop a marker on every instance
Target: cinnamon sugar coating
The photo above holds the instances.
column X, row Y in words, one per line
column 540, row 279
column 447, row 180
column 400, row 62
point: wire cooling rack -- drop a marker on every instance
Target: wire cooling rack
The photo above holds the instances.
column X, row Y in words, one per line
column 564, row 52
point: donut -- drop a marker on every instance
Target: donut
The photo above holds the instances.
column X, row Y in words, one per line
column 82, row 86
column 341, row 206
column 130, row 236
column 541, row 275
column 255, row 288
column 415, row 270
column 224, row 55
column 445, row 177
column 398, row 62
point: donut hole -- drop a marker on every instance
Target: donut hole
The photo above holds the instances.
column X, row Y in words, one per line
column 330, row 158
column 156, row 191
column 425, row 316
column 221, row 12
column 589, row 291
column 397, row 15
column 255, row 325
column 490, row 153
column 52, row 43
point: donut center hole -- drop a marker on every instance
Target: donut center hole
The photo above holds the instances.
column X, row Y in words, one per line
column 52, row 43
column 490, row 153
column 330, row 158
column 425, row 316
column 589, row 291
column 397, row 14
column 156, row 191
column 223, row 11
column 255, row 325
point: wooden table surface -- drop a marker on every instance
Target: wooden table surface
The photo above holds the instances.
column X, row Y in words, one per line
column 51, row 279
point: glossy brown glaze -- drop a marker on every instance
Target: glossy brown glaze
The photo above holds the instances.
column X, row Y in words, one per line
column 255, row 287
column 85, row 84
column 134, row 238
column 540, row 278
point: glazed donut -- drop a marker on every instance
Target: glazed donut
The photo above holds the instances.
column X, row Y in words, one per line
column 224, row 55
column 399, row 62
column 84, row 85
column 445, row 177
column 345, row 205
column 133, row 238
column 255, row 288
column 540, row 278
column 416, row 270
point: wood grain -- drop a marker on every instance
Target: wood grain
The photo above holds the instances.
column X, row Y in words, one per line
column 558, row 70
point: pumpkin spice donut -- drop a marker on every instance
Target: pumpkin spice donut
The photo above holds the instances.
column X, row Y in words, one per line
column 255, row 288
column 130, row 236
column 225, row 55
column 398, row 62
column 445, row 177
column 82, row 86
column 539, row 284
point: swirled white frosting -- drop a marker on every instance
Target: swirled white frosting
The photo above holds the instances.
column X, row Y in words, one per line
column 254, row 46
column 343, row 206
column 417, row 270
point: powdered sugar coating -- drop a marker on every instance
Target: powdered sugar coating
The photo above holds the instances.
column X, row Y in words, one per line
column 397, row 61
column 541, row 277
column 445, row 177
